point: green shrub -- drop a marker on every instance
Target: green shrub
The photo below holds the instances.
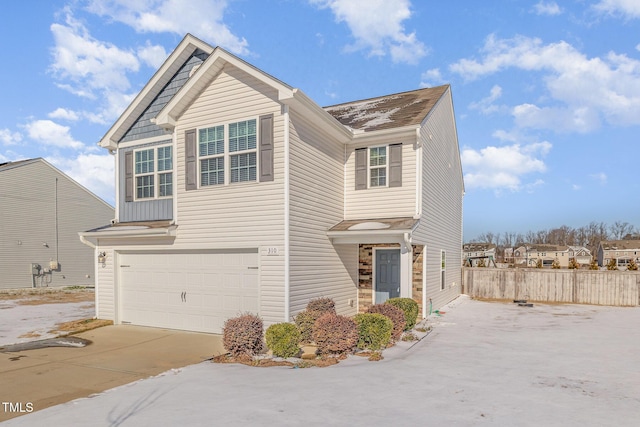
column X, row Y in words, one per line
column 242, row 335
column 283, row 339
column 374, row 330
column 410, row 309
column 322, row 305
column 305, row 321
column 395, row 314
column 334, row 334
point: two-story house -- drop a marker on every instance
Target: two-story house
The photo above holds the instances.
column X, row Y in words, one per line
column 477, row 253
column 623, row 251
column 237, row 193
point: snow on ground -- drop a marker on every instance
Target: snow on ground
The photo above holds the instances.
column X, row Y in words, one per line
column 37, row 321
column 483, row 364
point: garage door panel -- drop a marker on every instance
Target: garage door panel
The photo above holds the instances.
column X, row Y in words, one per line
column 191, row 291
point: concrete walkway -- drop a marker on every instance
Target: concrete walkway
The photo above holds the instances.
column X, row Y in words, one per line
column 492, row 364
column 118, row 355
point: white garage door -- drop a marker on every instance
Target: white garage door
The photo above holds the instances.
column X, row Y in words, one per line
column 188, row 291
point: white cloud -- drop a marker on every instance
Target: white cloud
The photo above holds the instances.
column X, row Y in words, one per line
column 47, row 132
column 64, row 114
column 86, row 65
column 203, row 18
column 547, row 8
column 9, row 138
column 93, row 171
column 486, row 105
column 586, row 90
column 502, row 168
column 629, row 8
column 601, row 177
column 431, row 78
column 377, row 27
column 152, row 55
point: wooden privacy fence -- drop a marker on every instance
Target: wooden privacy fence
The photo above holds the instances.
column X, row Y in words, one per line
column 617, row 288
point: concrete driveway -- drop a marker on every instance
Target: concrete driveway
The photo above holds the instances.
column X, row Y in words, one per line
column 118, row 355
column 483, row 364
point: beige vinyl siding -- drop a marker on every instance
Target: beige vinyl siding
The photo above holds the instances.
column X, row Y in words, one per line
column 106, row 286
column 442, row 191
column 238, row 215
column 317, row 268
column 381, row 202
column 31, row 217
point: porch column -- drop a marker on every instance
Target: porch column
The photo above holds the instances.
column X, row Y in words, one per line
column 406, row 264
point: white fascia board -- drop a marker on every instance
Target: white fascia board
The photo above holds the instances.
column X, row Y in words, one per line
column 386, row 135
column 116, row 234
column 205, row 74
column 311, row 111
column 187, row 46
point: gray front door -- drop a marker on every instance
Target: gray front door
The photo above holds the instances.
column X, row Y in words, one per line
column 387, row 283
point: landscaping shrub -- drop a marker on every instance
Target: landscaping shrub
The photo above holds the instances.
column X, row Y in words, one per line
column 283, row 339
column 242, row 335
column 395, row 314
column 594, row 265
column 632, row 266
column 334, row 334
column 612, row 264
column 555, row 264
column 374, row 330
column 410, row 309
column 305, row 321
column 573, row 264
column 322, row 305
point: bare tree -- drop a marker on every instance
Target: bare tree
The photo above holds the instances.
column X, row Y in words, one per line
column 620, row 229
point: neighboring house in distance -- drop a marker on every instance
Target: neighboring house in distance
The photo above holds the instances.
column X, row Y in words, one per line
column 236, row 192
column 474, row 252
column 581, row 254
column 42, row 211
column 623, row 251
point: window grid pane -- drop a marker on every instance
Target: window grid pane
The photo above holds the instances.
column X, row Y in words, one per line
column 165, row 162
column 378, row 177
column 242, row 136
column 144, row 187
column 378, row 156
column 211, row 141
column 243, row 167
column 165, row 186
column 144, row 161
column 212, row 171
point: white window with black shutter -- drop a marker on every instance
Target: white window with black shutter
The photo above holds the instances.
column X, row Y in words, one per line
column 230, row 153
column 378, row 166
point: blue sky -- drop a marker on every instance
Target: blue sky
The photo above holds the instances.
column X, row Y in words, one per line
column 546, row 94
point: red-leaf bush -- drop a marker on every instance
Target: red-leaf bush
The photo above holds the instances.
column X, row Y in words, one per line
column 395, row 314
column 410, row 308
column 242, row 335
column 334, row 334
column 322, row 305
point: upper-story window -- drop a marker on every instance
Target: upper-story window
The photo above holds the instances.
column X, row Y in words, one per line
column 231, row 147
column 153, row 172
column 378, row 166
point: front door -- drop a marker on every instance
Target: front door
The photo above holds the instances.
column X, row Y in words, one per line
column 387, row 284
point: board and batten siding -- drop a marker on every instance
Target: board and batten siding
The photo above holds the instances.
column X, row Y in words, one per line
column 381, row 202
column 142, row 210
column 37, row 228
column 440, row 226
column 238, row 215
column 317, row 267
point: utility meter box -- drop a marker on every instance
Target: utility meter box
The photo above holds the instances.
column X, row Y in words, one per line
column 53, row 265
column 35, row 268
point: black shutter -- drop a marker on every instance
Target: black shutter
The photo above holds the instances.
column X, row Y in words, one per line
column 128, row 176
column 191, row 160
column 395, row 165
column 361, row 169
column 266, row 148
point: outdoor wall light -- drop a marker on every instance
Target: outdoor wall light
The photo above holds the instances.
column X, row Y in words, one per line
column 102, row 257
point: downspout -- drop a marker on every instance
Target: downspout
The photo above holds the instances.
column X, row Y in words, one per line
column 287, row 264
column 95, row 271
column 408, row 267
column 419, row 149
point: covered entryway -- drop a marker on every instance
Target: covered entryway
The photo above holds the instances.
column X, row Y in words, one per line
column 194, row 291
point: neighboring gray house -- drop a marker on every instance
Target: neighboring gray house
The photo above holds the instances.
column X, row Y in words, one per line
column 41, row 211
column 623, row 251
column 236, row 192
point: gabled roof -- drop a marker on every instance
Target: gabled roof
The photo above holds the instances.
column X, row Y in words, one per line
column 10, row 165
column 390, row 111
column 608, row 245
column 171, row 65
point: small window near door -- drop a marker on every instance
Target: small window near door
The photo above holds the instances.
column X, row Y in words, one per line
column 443, row 266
